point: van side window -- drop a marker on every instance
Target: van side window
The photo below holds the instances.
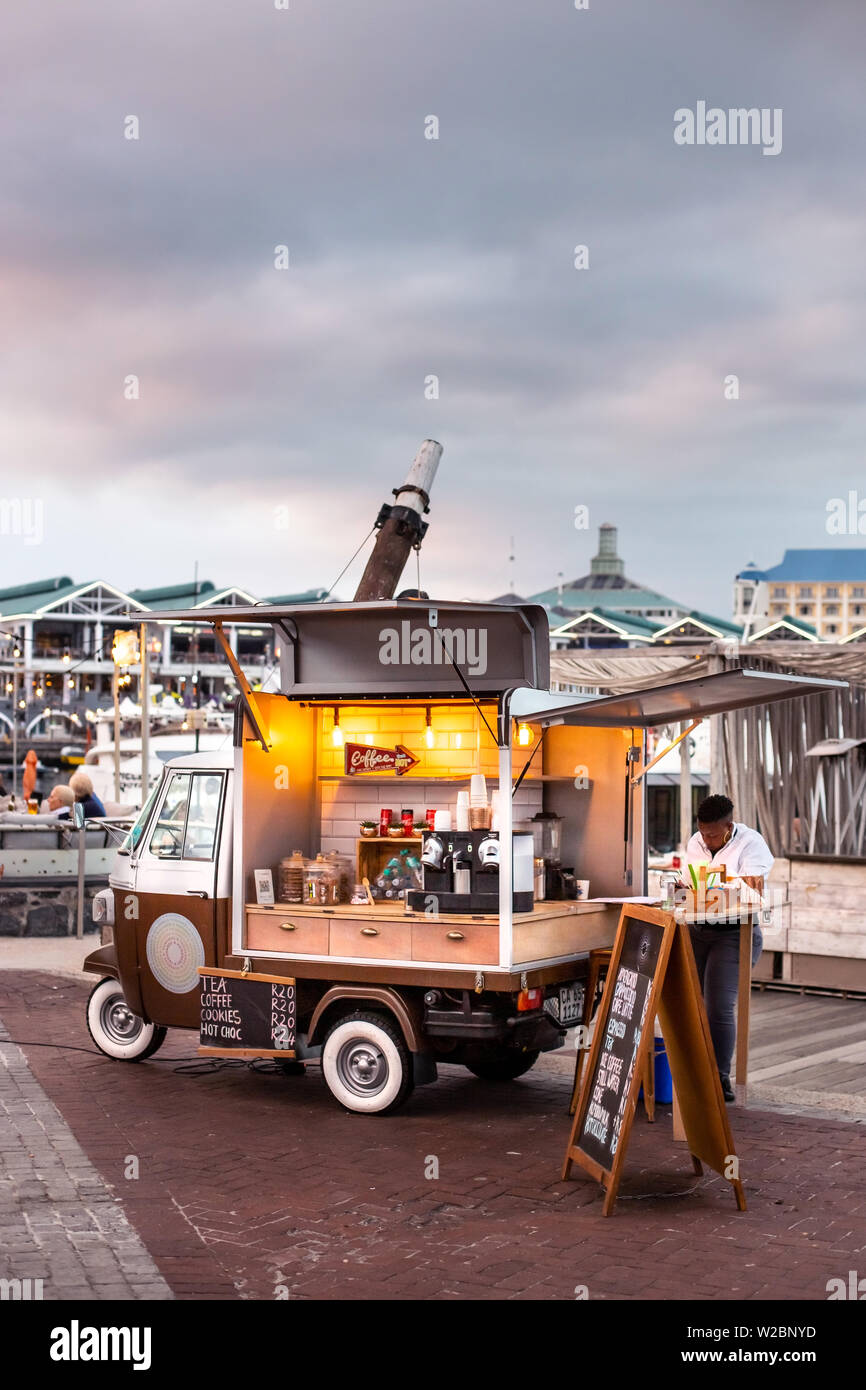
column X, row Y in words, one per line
column 201, row 822
column 166, row 842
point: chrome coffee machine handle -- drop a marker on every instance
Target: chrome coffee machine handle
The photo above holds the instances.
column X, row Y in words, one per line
column 488, row 853
column 434, row 849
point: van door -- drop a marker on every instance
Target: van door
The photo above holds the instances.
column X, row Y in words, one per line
column 176, row 892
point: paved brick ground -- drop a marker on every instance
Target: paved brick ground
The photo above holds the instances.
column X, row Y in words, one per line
column 62, row 1232
column 252, row 1183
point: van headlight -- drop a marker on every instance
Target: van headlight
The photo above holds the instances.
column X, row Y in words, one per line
column 102, row 912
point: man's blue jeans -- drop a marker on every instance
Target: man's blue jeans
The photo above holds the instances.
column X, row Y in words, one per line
column 717, row 955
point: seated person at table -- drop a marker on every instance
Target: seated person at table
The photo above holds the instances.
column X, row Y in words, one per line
column 716, row 943
column 57, row 806
column 59, row 803
column 82, row 789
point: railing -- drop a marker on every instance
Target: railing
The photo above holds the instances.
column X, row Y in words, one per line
column 182, row 658
column 99, row 833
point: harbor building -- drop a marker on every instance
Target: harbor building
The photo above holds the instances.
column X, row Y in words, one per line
column 56, row 637
column 605, row 608
column 821, row 593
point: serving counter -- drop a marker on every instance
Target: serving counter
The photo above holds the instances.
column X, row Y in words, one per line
column 385, row 931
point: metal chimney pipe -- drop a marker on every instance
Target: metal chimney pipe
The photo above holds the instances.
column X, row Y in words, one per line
column 400, row 526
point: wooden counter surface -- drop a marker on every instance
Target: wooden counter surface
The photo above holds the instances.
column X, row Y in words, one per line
column 395, row 912
column 385, row 930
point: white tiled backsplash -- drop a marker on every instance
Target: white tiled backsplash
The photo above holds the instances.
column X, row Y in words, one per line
column 344, row 806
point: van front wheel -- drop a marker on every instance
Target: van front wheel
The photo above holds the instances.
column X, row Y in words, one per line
column 366, row 1064
column 116, row 1030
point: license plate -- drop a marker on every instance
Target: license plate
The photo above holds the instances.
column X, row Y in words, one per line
column 566, row 1004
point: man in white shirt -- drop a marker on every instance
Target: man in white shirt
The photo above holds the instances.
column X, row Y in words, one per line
column 720, row 840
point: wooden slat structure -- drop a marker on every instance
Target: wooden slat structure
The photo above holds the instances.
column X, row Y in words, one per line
column 801, row 804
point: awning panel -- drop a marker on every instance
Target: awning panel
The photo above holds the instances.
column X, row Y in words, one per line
column 675, row 702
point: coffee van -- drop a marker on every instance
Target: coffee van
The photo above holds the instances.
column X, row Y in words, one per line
column 393, row 705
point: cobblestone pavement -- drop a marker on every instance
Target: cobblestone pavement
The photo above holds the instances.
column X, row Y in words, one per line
column 59, row 1222
column 256, row 1185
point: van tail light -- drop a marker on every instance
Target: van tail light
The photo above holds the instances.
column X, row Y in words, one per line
column 530, row 999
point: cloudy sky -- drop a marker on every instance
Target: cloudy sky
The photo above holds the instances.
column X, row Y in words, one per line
column 263, row 389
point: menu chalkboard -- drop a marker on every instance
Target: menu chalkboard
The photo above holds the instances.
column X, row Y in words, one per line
column 621, row 1022
column 652, row 971
column 246, row 1015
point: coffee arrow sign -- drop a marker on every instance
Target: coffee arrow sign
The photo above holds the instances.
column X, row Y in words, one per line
column 362, row 757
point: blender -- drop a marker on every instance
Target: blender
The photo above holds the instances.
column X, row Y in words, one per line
column 546, row 829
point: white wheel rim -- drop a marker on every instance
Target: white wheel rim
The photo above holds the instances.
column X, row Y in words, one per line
column 362, row 1067
column 118, row 1022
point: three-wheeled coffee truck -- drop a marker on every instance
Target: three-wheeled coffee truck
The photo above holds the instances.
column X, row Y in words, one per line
column 393, row 707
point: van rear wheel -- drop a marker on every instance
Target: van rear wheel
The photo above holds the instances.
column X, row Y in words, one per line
column 366, row 1064
column 115, row 1029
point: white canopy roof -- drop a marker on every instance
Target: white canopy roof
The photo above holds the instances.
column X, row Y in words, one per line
column 666, row 704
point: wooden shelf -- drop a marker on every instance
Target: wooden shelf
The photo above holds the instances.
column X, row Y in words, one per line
column 386, row 839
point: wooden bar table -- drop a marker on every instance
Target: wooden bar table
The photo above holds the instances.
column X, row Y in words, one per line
column 744, row 995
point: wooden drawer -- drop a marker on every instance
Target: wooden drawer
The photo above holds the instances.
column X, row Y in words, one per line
column 352, row 936
column 280, row 931
column 465, row 943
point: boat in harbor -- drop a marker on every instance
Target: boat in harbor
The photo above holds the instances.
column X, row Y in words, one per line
column 162, row 747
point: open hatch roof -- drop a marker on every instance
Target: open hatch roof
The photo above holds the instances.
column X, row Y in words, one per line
column 394, row 647
column 675, row 702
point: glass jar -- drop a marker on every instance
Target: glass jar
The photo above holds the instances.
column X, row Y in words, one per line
column 291, row 878
column 344, row 871
column 321, row 883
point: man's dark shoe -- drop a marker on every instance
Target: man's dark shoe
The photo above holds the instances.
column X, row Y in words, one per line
column 727, row 1088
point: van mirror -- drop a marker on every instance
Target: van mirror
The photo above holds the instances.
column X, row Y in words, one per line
column 78, row 816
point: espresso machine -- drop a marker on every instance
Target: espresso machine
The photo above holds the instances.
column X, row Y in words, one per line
column 460, row 869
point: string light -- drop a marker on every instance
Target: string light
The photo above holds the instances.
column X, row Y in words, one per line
column 429, row 736
column 524, row 735
column 337, row 732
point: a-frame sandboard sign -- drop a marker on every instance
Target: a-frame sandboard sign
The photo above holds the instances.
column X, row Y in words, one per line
column 652, row 971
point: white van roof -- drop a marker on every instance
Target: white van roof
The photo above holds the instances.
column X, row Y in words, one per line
column 218, row 759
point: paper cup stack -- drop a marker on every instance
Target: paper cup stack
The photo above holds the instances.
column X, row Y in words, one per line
column 479, row 810
column 463, row 810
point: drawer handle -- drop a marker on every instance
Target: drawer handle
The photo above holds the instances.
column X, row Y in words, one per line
column 455, row 936
column 369, row 931
column 288, row 926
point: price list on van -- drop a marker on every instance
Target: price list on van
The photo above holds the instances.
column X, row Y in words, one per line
column 253, row 1015
column 622, row 1026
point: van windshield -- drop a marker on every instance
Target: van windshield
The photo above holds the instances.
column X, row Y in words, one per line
column 137, row 830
